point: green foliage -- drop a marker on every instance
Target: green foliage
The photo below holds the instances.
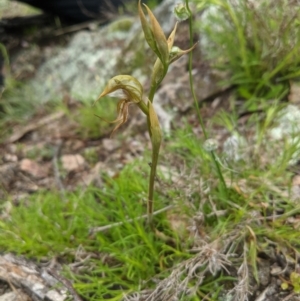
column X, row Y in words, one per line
column 126, row 257
column 18, row 105
column 14, row 106
column 258, row 42
column 295, row 281
column 91, row 155
column 48, row 225
column 4, row 54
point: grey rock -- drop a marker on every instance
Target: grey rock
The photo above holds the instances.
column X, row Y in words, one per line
column 16, row 295
column 83, row 67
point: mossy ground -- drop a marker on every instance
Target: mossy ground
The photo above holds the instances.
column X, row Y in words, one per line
column 252, row 221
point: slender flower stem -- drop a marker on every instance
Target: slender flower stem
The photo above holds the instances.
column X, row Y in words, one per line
column 152, row 92
column 154, row 84
column 154, row 162
column 143, row 107
column 155, row 153
column 190, row 71
column 220, row 175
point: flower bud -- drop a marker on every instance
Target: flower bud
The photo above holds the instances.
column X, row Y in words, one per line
column 177, row 53
column 154, row 35
column 172, row 37
column 157, row 72
column 155, row 131
column 181, row 12
column 210, row 145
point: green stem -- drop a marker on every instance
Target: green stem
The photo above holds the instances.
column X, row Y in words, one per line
column 217, row 164
column 4, row 53
column 190, row 71
column 220, row 175
column 153, row 163
column 155, row 154
column 155, row 135
column 152, row 92
column 143, row 107
column 154, row 85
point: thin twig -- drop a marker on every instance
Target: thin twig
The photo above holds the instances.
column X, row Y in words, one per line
column 289, row 297
column 77, row 27
column 21, row 131
column 56, row 170
column 283, row 215
column 107, row 227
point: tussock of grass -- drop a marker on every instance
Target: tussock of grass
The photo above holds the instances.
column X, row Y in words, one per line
column 257, row 41
column 18, row 105
column 14, row 106
column 87, row 118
